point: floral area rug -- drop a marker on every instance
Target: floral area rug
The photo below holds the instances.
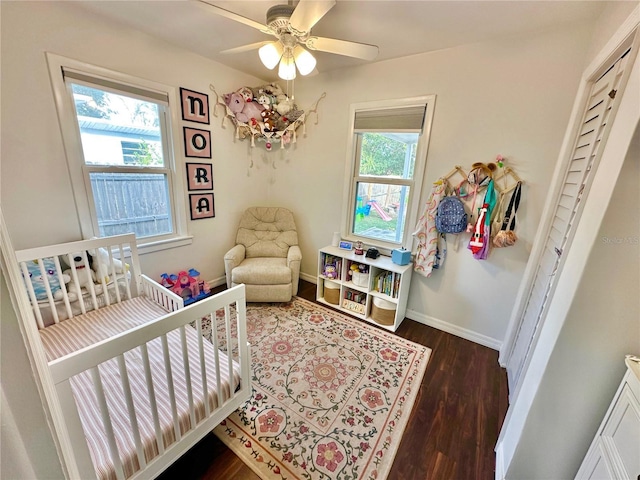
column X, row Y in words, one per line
column 331, row 394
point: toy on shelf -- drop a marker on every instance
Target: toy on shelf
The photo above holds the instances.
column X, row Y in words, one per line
column 330, row 271
column 187, row 284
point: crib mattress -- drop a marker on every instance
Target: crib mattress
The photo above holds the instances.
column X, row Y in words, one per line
column 79, row 332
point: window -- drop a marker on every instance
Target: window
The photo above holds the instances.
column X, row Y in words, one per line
column 118, row 139
column 387, row 160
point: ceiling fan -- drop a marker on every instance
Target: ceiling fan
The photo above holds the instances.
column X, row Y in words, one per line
column 291, row 25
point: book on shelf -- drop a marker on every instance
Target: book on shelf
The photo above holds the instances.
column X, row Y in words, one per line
column 388, row 283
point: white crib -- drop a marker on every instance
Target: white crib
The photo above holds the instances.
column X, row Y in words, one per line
column 127, row 376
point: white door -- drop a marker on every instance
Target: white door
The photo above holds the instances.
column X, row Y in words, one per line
column 594, row 127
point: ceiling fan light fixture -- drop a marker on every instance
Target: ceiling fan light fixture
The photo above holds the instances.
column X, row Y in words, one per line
column 270, row 54
column 304, row 60
column 287, row 69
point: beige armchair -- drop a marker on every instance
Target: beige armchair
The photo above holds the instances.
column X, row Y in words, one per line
column 266, row 257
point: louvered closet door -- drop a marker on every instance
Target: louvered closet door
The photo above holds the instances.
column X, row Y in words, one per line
column 595, row 126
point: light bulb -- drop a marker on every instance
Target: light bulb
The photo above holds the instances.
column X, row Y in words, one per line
column 270, row 54
column 287, row 70
column 304, row 60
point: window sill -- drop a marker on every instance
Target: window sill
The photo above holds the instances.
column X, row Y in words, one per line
column 156, row 246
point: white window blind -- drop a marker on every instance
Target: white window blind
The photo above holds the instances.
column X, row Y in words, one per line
column 407, row 119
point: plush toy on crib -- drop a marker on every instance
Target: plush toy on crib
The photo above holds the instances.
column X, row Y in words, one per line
column 38, row 281
column 102, row 267
column 86, row 277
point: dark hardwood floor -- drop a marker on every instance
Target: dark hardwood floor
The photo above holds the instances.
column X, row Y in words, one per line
column 452, row 430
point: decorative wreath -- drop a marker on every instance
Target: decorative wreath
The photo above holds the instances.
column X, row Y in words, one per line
column 265, row 113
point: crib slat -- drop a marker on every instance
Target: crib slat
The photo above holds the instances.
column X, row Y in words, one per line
column 47, row 288
column 106, row 422
column 203, row 367
column 114, row 275
column 152, row 397
column 74, row 279
column 227, row 321
column 133, row 419
column 81, row 455
column 103, row 283
column 172, row 393
column 187, row 375
column 127, row 281
column 216, row 355
column 32, row 295
column 244, row 356
column 63, row 287
column 92, row 289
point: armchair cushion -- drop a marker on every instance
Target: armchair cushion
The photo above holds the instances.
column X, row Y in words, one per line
column 262, row 271
column 266, row 258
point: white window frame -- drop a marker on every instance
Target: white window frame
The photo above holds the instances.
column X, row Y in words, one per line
column 79, row 172
column 352, row 177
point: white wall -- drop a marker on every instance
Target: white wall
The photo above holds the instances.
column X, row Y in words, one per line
column 587, row 363
column 33, row 158
column 511, row 96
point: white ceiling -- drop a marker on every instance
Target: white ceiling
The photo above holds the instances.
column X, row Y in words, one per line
column 398, row 28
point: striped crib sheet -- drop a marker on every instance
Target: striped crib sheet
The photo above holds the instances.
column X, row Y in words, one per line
column 79, row 332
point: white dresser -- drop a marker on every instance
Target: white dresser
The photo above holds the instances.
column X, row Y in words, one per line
column 615, row 450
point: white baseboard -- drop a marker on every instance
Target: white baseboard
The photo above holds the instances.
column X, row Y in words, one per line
column 454, row 330
column 309, row 278
column 216, row 282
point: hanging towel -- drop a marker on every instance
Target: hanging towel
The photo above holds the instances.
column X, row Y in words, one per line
column 426, row 232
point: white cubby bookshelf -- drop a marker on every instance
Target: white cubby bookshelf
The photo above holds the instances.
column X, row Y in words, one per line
column 398, row 279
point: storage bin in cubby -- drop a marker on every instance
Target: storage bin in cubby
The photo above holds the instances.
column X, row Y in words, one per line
column 383, row 311
column 332, row 292
column 360, row 279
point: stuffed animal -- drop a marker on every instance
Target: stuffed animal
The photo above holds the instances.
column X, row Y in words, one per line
column 243, row 111
column 353, row 268
column 265, row 101
column 38, row 281
column 285, row 104
column 330, row 271
column 273, row 89
column 246, row 93
column 102, row 267
column 86, row 277
column 268, row 120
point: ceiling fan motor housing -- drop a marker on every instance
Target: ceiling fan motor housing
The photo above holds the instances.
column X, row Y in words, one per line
column 278, row 17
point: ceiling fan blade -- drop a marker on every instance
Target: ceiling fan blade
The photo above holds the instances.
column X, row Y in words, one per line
column 246, row 48
column 342, row 47
column 308, row 13
column 238, row 18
